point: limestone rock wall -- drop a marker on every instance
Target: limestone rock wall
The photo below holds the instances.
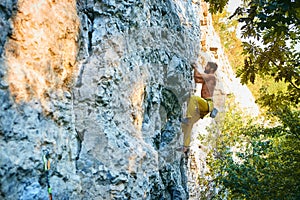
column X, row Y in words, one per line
column 100, row 85
column 133, row 78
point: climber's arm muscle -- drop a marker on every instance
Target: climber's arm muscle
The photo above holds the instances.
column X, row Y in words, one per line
column 198, row 77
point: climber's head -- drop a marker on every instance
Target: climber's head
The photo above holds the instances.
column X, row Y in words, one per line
column 211, row 68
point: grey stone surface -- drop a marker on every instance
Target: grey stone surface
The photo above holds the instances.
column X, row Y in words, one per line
column 114, row 135
column 7, row 8
column 136, row 48
column 114, row 132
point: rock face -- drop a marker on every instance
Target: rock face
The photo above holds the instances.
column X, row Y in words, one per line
column 133, row 78
column 101, row 86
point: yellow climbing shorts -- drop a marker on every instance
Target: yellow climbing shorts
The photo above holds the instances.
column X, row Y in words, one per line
column 198, row 106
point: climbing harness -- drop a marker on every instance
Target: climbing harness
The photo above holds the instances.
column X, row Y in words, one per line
column 47, row 168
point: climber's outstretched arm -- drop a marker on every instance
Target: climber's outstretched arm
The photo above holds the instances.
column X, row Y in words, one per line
column 198, row 77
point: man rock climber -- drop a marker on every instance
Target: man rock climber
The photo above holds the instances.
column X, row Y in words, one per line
column 199, row 107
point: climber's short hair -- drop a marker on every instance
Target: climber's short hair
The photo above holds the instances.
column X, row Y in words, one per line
column 213, row 65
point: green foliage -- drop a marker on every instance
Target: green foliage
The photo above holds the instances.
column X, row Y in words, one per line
column 272, row 61
column 231, row 43
column 272, row 28
column 261, row 161
column 252, row 161
column 216, row 5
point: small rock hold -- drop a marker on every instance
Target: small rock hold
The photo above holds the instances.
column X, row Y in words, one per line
column 68, row 94
column 3, row 85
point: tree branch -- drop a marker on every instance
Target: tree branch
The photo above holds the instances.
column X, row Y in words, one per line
column 293, row 84
column 278, row 66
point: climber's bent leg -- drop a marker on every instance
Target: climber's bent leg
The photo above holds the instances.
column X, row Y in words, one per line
column 197, row 108
column 192, row 116
column 187, row 131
